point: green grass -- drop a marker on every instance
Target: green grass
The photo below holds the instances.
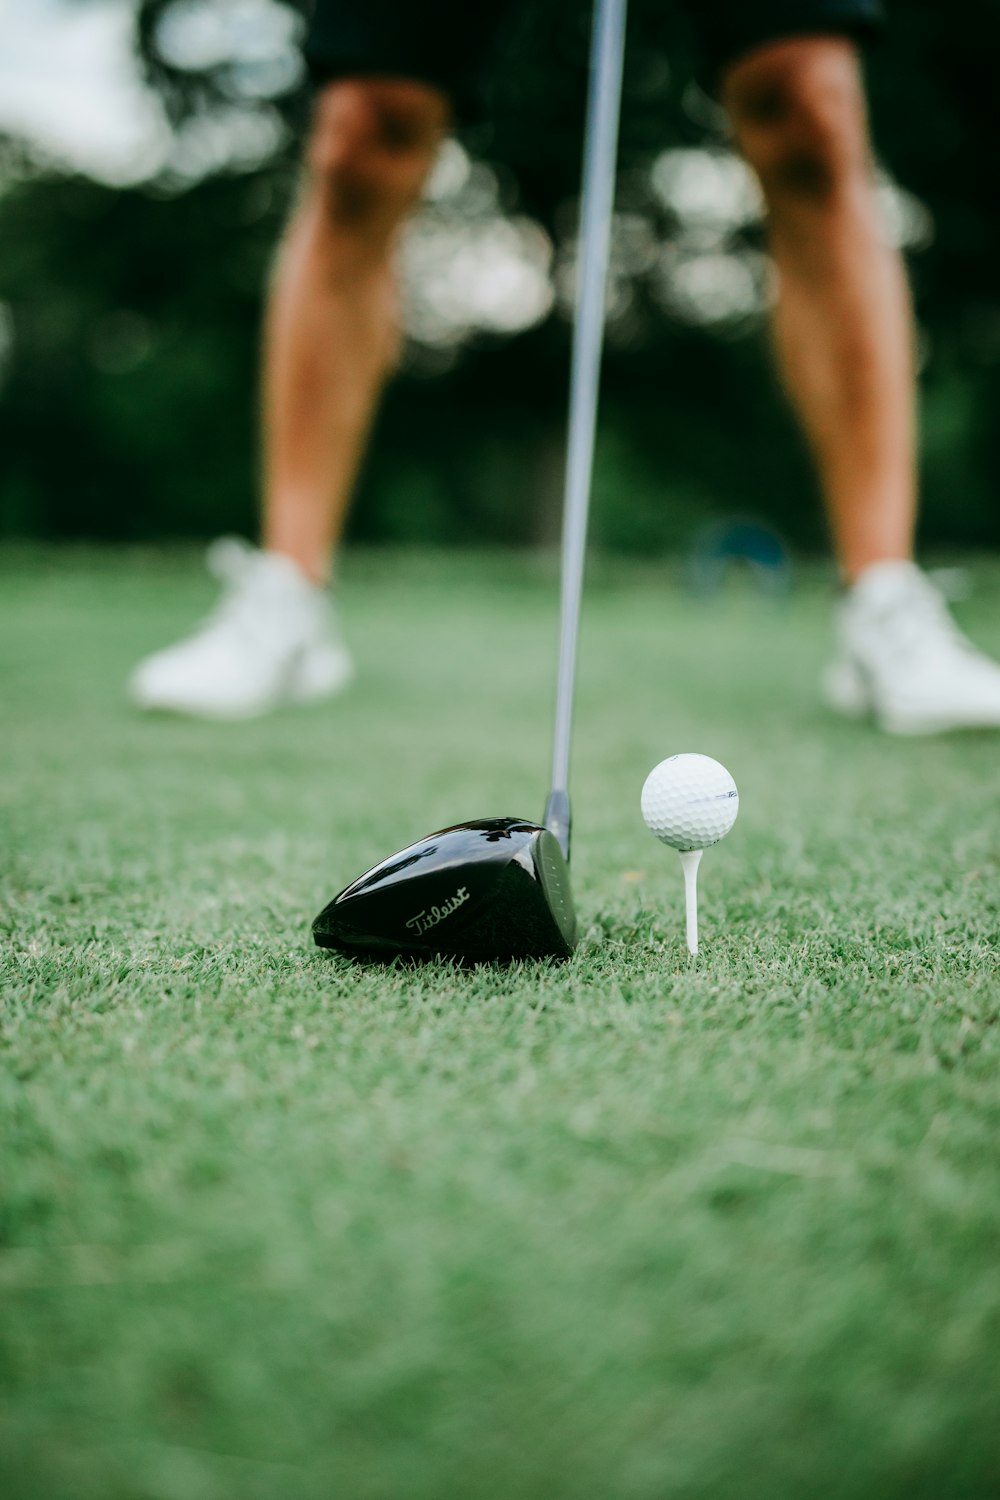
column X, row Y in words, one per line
column 636, row 1228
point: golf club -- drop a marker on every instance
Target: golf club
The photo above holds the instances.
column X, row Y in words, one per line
column 499, row 888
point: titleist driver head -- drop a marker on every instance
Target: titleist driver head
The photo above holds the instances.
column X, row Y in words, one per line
column 495, row 889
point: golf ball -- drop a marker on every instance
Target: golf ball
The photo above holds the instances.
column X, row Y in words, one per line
column 689, row 801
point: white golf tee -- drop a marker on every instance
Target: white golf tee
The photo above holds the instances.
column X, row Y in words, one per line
column 690, row 860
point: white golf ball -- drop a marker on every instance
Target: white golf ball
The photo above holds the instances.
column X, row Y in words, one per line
column 689, row 801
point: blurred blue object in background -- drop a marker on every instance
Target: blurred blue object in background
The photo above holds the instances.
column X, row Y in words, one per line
column 744, row 543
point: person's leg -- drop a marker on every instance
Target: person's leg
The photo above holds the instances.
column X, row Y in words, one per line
column 843, row 332
column 331, row 333
column 842, row 323
column 331, row 339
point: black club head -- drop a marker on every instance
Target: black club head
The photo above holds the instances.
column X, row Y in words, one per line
column 496, row 889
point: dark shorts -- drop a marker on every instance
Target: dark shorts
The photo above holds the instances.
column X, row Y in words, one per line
column 444, row 42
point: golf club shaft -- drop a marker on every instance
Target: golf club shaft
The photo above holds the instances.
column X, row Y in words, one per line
column 600, row 153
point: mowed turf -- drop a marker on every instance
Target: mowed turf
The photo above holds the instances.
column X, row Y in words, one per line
column 635, row 1228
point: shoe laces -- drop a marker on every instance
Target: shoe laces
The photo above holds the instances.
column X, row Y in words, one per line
column 231, row 561
column 915, row 620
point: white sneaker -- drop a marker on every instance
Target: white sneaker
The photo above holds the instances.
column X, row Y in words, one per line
column 902, row 658
column 272, row 639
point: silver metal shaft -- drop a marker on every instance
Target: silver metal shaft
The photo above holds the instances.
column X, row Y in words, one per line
column 599, row 157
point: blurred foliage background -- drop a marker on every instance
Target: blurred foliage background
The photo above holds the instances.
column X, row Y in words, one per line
column 130, row 299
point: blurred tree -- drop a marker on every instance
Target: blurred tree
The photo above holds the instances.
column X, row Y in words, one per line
column 128, row 347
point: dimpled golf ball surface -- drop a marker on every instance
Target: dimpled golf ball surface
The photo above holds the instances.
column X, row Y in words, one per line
column 690, row 801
